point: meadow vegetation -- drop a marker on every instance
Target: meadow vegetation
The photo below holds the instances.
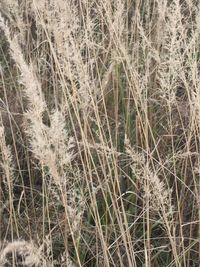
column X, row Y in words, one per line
column 99, row 133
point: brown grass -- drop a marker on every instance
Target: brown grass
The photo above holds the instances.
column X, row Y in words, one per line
column 99, row 133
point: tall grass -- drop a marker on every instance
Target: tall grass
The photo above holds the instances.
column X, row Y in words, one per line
column 99, row 133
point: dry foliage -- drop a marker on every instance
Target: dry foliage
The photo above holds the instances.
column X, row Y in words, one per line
column 99, row 133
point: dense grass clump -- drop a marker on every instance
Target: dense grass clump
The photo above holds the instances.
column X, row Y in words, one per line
column 99, row 133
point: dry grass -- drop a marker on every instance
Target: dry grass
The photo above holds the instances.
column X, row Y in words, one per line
column 99, row 133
